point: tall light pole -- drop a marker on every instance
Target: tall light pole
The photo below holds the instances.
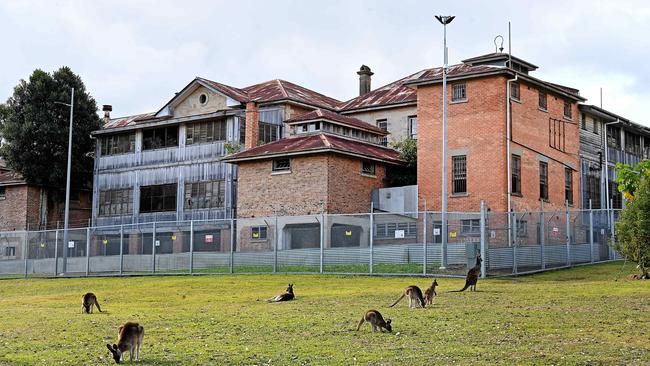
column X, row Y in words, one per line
column 444, row 20
column 67, row 183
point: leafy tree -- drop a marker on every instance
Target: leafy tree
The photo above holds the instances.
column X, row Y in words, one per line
column 35, row 130
column 404, row 175
column 633, row 227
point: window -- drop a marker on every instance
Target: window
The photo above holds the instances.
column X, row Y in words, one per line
column 543, row 180
column 592, row 190
column 615, row 195
column 10, row 251
column 258, row 232
column 116, row 202
column 459, row 174
column 556, row 134
column 583, row 121
column 614, row 137
column 459, row 92
column 202, row 132
column 242, row 130
column 568, row 185
column 522, row 228
column 542, row 101
column 646, row 147
column 268, row 132
column 3, row 193
column 387, row 230
column 203, row 98
column 117, row 144
column 368, row 168
column 595, row 126
column 567, row 110
column 514, row 91
column 413, row 127
column 632, row 143
column 470, row 227
column 158, row 198
column 516, row 174
column 158, row 138
column 205, row 194
column 383, row 124
column 281, row 165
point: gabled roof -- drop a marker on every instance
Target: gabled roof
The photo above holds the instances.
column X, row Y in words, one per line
column 127, row 121
column 325, row 115
column 315, row 144
column 498, row 56
column 390, row 94
column 277, row 90
column 234, row 93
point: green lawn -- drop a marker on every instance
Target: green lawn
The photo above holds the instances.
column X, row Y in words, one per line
column 590, row 315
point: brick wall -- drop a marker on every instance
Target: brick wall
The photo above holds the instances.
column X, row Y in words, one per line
column 349, row 191
column 13, row 208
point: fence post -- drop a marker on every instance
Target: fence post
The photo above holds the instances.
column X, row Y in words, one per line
column 424, row 242
column 484, row 254
column 542, row 233
column 153, row 248
column 568, row 234
column 191, row 246
column 56, row 252
column 25, row 247
column 232, row 244
column 372, row 233
column 514, row 241
column 121, row 248
column 611, row 229
column 591, row 232
column 275, row 245
column 87, row 251
column 322, row 241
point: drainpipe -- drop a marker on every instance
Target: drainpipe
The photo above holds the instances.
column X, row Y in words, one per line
column 606, row 148
column 508, row 157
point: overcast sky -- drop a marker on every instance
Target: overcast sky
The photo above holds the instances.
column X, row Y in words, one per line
column 136, row 54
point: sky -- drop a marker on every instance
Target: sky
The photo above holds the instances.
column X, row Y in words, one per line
column 135, row 55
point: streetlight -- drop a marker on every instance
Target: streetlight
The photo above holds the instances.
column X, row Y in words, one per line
column 444, row 20
column 67, row 184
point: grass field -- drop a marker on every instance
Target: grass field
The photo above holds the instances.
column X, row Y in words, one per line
column 582, row 316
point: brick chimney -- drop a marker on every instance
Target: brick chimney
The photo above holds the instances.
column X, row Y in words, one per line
column 107, row 108
column 252, row 125
column 364, row 79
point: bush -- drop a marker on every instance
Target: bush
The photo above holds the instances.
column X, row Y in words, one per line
column 633, row 227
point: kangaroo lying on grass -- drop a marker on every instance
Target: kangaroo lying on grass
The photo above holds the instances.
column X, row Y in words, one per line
column 88, row 300
column 288, row 295
column 376, row 321
column 129, row 338
column 415, row 297
column 472, row 275
column 430, row 293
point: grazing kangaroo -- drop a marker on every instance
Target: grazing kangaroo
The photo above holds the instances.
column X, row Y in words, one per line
column 129, row 338
column 430, row 293
column 415, row 297
column 288, row 295
column 472, row 275
column 88, row 300
column 376, row 321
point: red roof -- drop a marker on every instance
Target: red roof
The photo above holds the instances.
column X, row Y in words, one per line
column 276, row 90
column 235, row 93
column 9, row 177
column 317, row 143
column 128, row 120
column 323, row 114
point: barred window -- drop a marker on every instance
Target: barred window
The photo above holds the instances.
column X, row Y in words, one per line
column 158, row 198
column 157, row 138
column 118, row 144
column 567, row 110
column 205, row 194
column 368, row 168
column 632, row 143
column 281, row 165
column 556, row 134
column 543, row 180
column 614, row 137
column 568, row 185
column 10, row 251
column 542, row 101
column 459, row 174
column 203, row 132
column 592, row 190
column 387, row 230
column 583, row 121
column 470, row 227
column 516, row 174
column 269, row 132
column 115, row 202
column 258, row 233
column 459, row 92
column 514, row 91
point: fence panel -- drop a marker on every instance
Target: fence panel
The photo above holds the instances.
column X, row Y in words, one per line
column 255, row 250
column 346, row 247
column 210, row 245
column 105, row 250
column 299, row 239
column 12, row 254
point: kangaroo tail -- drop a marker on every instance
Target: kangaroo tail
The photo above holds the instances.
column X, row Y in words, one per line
column 463, row 289
column 360, row 322
column 97, row 304
column 396, row 301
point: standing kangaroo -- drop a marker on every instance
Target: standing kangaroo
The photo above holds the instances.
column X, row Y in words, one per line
column 288, row 295
column 415, row 297
column 472, row 275
column 376, row 321
column 430, row 293
column 88, row 300
column 129, row 338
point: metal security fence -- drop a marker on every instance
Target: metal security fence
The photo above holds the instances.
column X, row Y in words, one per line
column 366, row 243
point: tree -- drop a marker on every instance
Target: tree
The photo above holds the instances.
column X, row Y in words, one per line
column 35, row 130
column 404, row 175
column 633, row 226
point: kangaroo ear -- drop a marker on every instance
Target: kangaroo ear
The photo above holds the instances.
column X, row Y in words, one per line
column 109, row 347
column 115, row 346
column 388, row 321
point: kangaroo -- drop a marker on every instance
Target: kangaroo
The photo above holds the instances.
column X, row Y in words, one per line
column 129, row 338
column 472, row 275
column 88, row 300
column 430, row 293
column 415, row 297
column 288, row 295
column 376, row 321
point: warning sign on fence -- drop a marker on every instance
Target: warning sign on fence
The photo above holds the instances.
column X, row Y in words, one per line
column 209, row 239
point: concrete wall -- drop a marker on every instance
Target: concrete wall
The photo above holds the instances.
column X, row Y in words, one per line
column 397, row 119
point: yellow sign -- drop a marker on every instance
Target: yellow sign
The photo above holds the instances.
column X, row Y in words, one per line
column 256, row 235
column 105, row 241
column 452, row 234
column 42, row 245
column 348, row 232
column 173, row 237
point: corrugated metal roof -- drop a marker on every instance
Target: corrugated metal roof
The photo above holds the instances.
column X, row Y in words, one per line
column 127, row 121
column 317, row 143
column 275, row 90
column 8, row 178
column 323, row 114
column 235, row 93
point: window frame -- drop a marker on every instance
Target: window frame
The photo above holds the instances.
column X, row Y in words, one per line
column 543, row 180
column 215, row 131
column 568, row 185
column 3, row 193
column 459, row 175
column 568, row 107
column 165, row 188
column 197, row 197
column 614, row 137
column 542, row 96
column 459, row 92
column 167, row 139
column 470, row 227
column 260, row 230
column 118, row 203
column 10, row 251
column 515, row 171
column 279, row 166
column 268, row 132
column 515, row 91
column 413, row 132
column 386, row 230
column 117, row 144
column 383, row 124
column 372, row 168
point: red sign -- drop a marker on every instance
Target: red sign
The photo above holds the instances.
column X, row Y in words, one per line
column 209, row 238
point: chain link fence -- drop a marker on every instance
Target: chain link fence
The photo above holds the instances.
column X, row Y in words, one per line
column 369, row 243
